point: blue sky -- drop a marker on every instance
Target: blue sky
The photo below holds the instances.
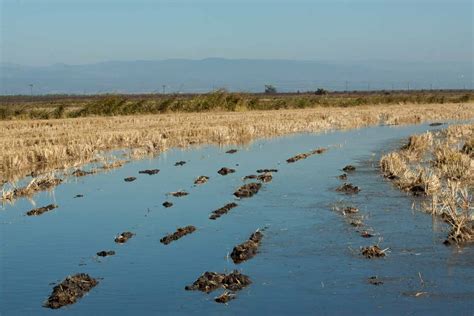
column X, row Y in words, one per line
column 42, row 32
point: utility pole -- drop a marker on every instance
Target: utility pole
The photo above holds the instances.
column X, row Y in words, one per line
column 408, row 85
column 31, row 89
column 164, row 88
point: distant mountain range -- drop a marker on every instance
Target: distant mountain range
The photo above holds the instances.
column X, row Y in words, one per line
column 182, row 75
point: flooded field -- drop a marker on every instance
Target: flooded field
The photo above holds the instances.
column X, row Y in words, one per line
column 310, row 237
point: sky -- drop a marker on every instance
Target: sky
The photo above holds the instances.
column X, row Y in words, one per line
column 44, row 32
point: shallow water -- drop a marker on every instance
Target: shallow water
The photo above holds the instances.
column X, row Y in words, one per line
column 309, row 260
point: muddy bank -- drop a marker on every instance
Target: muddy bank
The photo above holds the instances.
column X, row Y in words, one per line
column 180, row 232
column 40, row 210
column 201, row 180
column 149, row 172
column 211, row 281
column 70, row 290
column 36, row 185
column 225, row 171
column 123, row 237
column 248, row 249
column 81, row 173
column 248, row 190
column 223, row 210
column 306, row 155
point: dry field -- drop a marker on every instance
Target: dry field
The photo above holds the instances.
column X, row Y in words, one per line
column 36, row 146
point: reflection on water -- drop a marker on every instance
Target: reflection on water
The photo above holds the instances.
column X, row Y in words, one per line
column 309, row 259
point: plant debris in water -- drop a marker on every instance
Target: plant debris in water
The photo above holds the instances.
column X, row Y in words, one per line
column 78, row 196
column 41, row 183
column 104, row 253
column 225, row 171
column 231, row 151
column 40, row 210
column 179, row 193
column 266, row 170
column 349, row 168
column 248, row 249
column 223, row 210
column 149, row 171
column 201, row 180
column 167, row 204
column 374, row 280
column 124, row 237
column 265, row 177
column 248, row 190
column 130, row 179
column 366, row 234
column 436, row 124
column 305, row 155
column 373, row 252
column 348, row 188
column 210, row 281
column 81, row 173
column 351, row 210
column 180, row 232
column 70, row 290
column 180, row 163
column 225, row 297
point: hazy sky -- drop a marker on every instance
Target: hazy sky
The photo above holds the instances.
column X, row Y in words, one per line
column 39, row 32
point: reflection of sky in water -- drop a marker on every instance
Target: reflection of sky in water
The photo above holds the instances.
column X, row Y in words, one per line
column 308, row 262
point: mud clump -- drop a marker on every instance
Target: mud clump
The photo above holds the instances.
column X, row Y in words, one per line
column 149, row 172
column 436, row 124
column 351, row 210
column 251, row 176
column 70, row 290
column 130, row 179
column 374, row 280
column 40, row 210
column 179, row 193
column 78, row 196
column 180, row 163
column 265, row 177
column 225, row 297
column 248, row 190
column 349, row 168
column 366, row 234
column 248, row 249
column 201, row 180
column 225, row 171
column 266, row 170
column 210, row 281
column 342, row 176
column 231, row 151
column 81, row 173
column 223, row 210
column 180, row 232
column 348, row 188
column 298, row 157
column 167, row 204
column 104, row 253
column 123, row 237
column 372, row 252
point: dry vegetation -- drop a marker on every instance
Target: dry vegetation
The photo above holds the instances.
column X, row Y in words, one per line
column 40, row 146
column 439, row 165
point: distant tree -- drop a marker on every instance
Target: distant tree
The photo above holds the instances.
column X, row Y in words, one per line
column 270, row 89
column 321, row 91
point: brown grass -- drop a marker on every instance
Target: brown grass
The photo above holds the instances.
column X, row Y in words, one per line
column 45, row 145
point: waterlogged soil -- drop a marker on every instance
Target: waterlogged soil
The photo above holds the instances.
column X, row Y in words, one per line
column 309, row 261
